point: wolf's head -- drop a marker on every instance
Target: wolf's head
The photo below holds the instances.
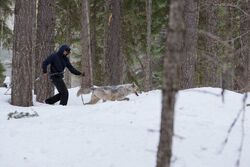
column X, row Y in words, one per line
column 135, row 89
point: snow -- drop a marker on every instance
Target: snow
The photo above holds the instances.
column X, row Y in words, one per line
column 125, row 133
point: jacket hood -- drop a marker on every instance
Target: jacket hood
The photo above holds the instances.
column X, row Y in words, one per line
column 62, row 49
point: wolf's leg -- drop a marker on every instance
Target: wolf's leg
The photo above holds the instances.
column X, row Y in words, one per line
column 93, row 99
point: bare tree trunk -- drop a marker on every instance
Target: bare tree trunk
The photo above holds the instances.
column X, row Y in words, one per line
column 242, row 66
column 67, row 74
column 67, row 77
column 228, row 58
column 246, row 40
column 148, row 60
column 34, row 43
column 187, row 70
column 21, row 94
column 2, row 25
column 113, row 57
column 175, row 51
column 106, row 24
column 45, row 45
column 209, row 59
column 95, row 66
column 86, row 61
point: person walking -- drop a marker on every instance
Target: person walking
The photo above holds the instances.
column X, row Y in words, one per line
column 58, row 61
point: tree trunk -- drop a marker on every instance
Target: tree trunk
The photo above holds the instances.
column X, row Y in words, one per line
column 44, row 46
column 187, row 75
column 68, row 40
column 175, row 50
column 93, row 32
column 242, row 66
column 21, row 94
column 209, row 60
column 113, row 57
column 148, row 60
column 86, row 61
column 34, row 43
column 67, row 77
column 106, row 24
column 246, row 40
column 228, row 58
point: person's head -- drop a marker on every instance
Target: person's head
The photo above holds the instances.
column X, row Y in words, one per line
column 64, row 50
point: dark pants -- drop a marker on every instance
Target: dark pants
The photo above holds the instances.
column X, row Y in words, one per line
column 63, row 94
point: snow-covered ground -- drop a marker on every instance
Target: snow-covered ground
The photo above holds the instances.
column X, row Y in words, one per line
column 125, row 134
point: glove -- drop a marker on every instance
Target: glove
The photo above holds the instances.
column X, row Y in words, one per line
column 83, row 74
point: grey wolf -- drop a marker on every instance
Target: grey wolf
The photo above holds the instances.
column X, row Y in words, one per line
column 111, row 93
column 58, row 61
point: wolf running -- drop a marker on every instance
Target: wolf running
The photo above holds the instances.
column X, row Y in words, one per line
column 111, row 93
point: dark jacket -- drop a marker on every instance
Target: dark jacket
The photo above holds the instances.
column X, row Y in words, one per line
column 58, row 62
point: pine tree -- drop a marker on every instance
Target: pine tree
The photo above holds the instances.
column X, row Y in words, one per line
column 187, row 67
column 113, row 56
column 21, row 94
column 44, row 46
column 86, row 60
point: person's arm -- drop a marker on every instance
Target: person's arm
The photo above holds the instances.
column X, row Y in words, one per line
column 72, row 69
column 46, row 62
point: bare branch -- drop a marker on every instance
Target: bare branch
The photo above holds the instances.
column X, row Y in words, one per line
column 215, row 37
column 231, row 6
column 235, row 6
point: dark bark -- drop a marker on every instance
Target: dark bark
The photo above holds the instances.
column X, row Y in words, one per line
column 44, row 46
column 148, row 60
column 34, row 42
column 228, row 58
column 21, row 94
column 93, row 32
column 86, row 61
column 187, row 71
column 67, row 77
column 68, row 40
column 113, row 57
column 242, row 66
column 209, row 65
column 175, row 51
